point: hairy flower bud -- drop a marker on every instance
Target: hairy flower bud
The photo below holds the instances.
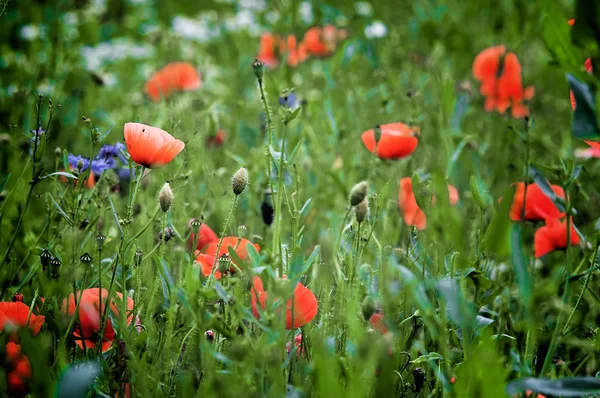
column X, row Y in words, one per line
column 239, row 181
column 358, row 193
column 165, row 197
column 361, row 211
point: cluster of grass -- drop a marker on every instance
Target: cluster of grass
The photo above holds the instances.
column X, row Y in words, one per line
column 466, row 310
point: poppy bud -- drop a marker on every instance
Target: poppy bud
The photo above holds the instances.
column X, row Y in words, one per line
column 419, row 376
column 266, row 208
column 377, row 134
column 239, row 181
column 361, row 210
column 259, row 69
column 45, row 258
column 58, row 152
column 224, row 263
column 55, row 267
column 85, row 258
column 168, row 234
column 18, row 297
column 79, row 165
column 368, row 307
column 100, row 239
column 165, row 197
column 365, row 271
column 242, row 231
column 210, row 336
column 358, row 193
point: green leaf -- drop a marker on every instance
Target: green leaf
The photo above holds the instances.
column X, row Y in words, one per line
column 480, row 193
column 60, row 210
column 566, row 387
column 4, row 182
column 254, row 256
column 432, row 356
column 291, row 115
column 77, row 380
column 116, row 216
column 585, row 122
column 105, row 134
column 59, row 173
column 421, row 193
column 521, row 268
column 497, row 235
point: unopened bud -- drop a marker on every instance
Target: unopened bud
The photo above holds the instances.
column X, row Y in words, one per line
column 85, row 258
column 18, row 297
column 377, row 134
column 368, row 307
column 167, row 234
column 55, row 267
column 358, row 193
column 224, row 263
column 210, row 336
column 79, row 165
column 361, row 210
column 58, row 151
column 259, row 69
column 165, row 197
column 100, row 239
column 242, row 231
column 239, row 181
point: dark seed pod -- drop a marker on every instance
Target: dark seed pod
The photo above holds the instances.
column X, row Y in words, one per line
column 84, row 224
column 45, row 258
column 266, row 208
column 55, row 267
column 85, row 258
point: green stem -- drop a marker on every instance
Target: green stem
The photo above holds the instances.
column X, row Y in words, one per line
column 19, row 224
column 585, row 285
column 142, row 169
column 214, row 267
column 278, row 203
column 163, row 236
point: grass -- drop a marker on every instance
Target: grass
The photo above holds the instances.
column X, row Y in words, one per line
column 468, row 309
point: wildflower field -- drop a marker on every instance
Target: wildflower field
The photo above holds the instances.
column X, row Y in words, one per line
column 299, row 198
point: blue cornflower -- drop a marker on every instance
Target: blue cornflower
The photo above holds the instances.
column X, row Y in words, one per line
column 112, row 151
column 98, row 165
column 289, row 100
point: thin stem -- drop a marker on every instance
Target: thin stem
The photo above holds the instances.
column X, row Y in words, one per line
column 214, row 267
column 278, row 203
column 134, row 193
column 339, row 240
column 19, row 223
column 163, row 236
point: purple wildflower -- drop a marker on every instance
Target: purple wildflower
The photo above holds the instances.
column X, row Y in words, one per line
column 289, row 100
column 98, row 165
column 39, row 131
column 112, row 151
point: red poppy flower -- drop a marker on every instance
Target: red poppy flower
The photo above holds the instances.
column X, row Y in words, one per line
column 377, row 321
column 216, row 140
column 175, row 76
column 412, row 213
column 91, row 308
column 268, row 51
column 538, row 206
column 89, row 183
column 303, row 303
column 297, row 343
column 207, row 258
column 150, row 146
column 17, row 369
column 206, row 237
column 594, row 144
column 529, row 393
column 504, row 89
column 396, row 142
column 296, row 53
column 588, row 153
column 14, row 315
column 322, row 41
column 553, row 236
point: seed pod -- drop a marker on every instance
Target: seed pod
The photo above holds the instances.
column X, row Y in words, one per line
column 165, row 197
column 259, row 69
column 266, row 208
column 100, row 239
column 196, row 224
column 361, row 210
column 45, row 258
column 55, row 267
column 239, row 181
column 85, row 258
column 224, row 263
column 242, row 231
column 358, row 193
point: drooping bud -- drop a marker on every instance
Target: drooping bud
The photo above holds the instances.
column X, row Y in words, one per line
column 100, row 239
column 266, row 208
column 368, row 307
column 358, row 193
column 85, row 258
column 55, row 267
column 224, row 263
column 45, row 258
column 239, row 181
column 165, row 197
column 361, row 210
column 242, row 231
column 259, row 69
